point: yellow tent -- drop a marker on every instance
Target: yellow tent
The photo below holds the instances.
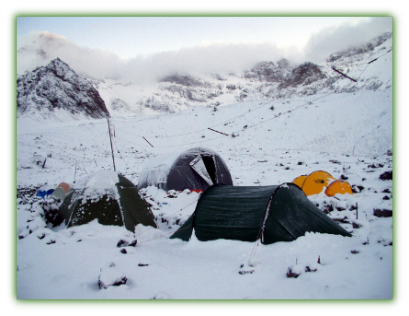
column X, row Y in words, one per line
column 338, row 187
column 316, row 182
column 300, row 180
column 319, row 181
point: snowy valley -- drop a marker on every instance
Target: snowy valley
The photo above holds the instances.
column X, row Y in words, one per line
column 270, row 125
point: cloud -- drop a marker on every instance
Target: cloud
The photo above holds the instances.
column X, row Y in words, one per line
column 213, row 58
column 334, row 39
column 39, row 48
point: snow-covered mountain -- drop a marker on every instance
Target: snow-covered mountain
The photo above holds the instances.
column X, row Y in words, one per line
column 56, row 90
column 174, row 92
column 267, row 79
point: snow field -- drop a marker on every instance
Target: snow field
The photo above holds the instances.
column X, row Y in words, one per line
column 343, row 134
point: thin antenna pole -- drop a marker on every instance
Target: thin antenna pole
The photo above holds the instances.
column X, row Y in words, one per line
column 75, row 171
column 110, row 139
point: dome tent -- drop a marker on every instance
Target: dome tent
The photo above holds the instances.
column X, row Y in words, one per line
column 195, row 169
column 109, row 197
column 270, row 213
column 338, row 187
column 316, row 182
column 300, row 180
column 321, row 181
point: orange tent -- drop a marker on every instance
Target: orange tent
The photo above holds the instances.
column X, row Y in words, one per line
column 300, row 180
column 338, row 187
column 316, row 182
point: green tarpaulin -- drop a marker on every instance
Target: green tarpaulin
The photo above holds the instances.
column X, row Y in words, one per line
column 119, row 205
column 271, row 213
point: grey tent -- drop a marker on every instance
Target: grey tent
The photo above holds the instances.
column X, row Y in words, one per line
column 109, row 197
column 270, row 213
column 195, row 169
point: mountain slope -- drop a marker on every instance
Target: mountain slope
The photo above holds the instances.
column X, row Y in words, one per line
column 47, row 90
column 370, row 65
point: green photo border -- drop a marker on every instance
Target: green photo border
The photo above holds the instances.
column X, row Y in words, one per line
column 209, row 8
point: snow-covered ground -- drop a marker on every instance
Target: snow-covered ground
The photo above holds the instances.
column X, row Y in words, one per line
column 269, row 143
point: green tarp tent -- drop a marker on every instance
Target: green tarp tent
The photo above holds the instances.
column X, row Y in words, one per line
column 109, row 197
column 271, row 213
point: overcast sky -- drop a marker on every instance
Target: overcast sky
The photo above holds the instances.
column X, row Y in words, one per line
column 105, row 47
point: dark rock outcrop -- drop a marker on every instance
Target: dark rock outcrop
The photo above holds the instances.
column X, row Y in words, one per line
column 267, row 71
column 304, row 74
column 57, row 87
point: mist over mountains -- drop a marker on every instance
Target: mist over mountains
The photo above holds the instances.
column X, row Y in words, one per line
column 45, row 90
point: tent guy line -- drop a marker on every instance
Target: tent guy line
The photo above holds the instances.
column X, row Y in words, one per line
column 234, row 118
column 126, row 144
column 373, row 60
column 224, row 122
column 248, row 127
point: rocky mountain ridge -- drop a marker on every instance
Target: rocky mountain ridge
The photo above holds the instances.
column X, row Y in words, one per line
column 271, row 80
column 55, row 87
column 180, row 91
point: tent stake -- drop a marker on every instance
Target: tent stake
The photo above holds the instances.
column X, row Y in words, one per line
column 343, row 74
column 147, row 141
column 217, row 131
column 373, row 60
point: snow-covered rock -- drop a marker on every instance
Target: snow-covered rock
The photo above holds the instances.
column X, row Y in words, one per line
column 110, row 276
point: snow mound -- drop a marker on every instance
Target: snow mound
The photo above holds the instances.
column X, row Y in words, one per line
column 110, row 276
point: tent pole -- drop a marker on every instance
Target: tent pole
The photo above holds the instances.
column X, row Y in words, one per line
column 75, row 171
column 110, row 139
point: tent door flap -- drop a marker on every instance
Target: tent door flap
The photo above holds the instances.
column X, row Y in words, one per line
column 198, row 165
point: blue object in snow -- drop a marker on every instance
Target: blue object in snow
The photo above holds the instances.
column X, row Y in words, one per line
column 44, row 193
